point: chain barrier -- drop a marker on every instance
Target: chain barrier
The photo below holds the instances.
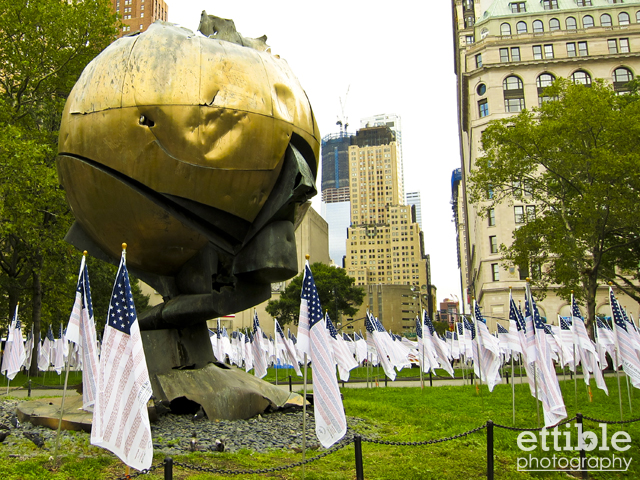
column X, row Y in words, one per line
column 611, row 421
column 141, row 472
column 537, row 429
column 351, row 440
column 265, row 470
column 427, row 442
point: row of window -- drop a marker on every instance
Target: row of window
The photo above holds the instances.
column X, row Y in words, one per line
column 521, row 7
column 512, row 54
column 513, row 88
column 570, row 22
column 521, row 214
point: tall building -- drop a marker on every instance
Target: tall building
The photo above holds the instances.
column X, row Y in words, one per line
column 506, row 53
column 335, row 191
column 384, row 243
column 413, row 200
column 137, row 15
column 394, row 123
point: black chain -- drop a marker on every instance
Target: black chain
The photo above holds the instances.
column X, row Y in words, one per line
column 537, row 429
column 611, row 421
column 141, row 472
column 266, row 470
column 427, row 442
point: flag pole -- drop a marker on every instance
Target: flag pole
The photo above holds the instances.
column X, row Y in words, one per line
column 304, row 407
column 513, row 392
column 629, row 387
column 275, row 347
column 64, row 395
column 535, row 363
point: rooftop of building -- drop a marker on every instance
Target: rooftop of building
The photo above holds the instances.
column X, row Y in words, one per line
column 503, row 8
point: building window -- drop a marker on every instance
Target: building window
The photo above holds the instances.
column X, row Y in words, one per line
column 538, row 26
column 548, row 51
column 491, row 215
column 638, row 16
column 605, row 20
column 537, row 52
column 518, row 213
column 513, row 94
column 554, row 24
column 504, row 55
column 515, row 54
column 621, row 76
column 518, row 7
column 612, row 43
column 580, row 77
column 141, row 14
column 521, row 27
column 550, row 4
column 583, row 3
column 482, row 89
column 583, row 50
column 531, row 213
column 624, row 45
column 587, row 21
column 543, row 81
column 571, row 49
column 479, row 60
column 505, row 29
column 571, row 23
column 495, row 272
column 493, row 244
column 469, row 21
column 623, row 18
column 483, row 108
column 470, row 39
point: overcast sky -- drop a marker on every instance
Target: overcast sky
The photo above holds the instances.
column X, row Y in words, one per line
column 391, row 57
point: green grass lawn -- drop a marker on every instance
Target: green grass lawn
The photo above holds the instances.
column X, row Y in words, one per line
column 399, row 415
column 45, row 379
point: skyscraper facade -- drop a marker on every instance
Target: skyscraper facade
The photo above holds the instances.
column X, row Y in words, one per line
column 384, row 244
column 506, row 53
column 413, row 200
column 137, row 15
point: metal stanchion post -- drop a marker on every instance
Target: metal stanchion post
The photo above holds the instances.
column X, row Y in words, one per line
column 583, row 454
column 358, row 451
column 489, row 450
column 168, row 468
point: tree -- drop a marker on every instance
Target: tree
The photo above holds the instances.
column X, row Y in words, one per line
column 577, row 159
column 335, row 289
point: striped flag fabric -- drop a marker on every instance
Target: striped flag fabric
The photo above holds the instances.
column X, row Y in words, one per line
column 378, row 341
column 330, row 419
column 257, row 349
column 624, row 343
column 304, row 318
column 341, row 354
column 120, row 417
column 44, row 357
column 28, row 349
column 14, row 353
column 361, row 347
column 439, row 347
column 289, row 348
column 81, row 330
column 548, row 386
column 585, row 348
column 487, row 366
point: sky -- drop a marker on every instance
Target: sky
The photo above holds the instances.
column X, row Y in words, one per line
column 363, row 59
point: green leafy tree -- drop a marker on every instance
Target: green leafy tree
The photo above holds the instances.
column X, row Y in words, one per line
column 577, row 159
column 335, row 288
column 44, row 46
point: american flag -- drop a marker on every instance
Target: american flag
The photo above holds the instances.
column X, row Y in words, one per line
column 81, row 330
column 120, row 417
column 289, row 348
column 341, row 353
column 361, row 347
column 624, row 342
column 431, row 340
column 631, row 328
column 488, row 349
column 14, row 354
column 305, row 312
column 548, row 386
column 586, row 350
column 248, row 352
column 44, row 358
column 257, row 348
column 28, row 349
column 529, row 333
column 331, row 422
column 376, row 336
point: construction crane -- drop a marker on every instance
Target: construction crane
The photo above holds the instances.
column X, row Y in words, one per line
column 342, row 119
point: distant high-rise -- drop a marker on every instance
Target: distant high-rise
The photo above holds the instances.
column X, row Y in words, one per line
column 137, row 15
column 335, row 191
column 413, row 200
column 394, row 123
column 384, row 244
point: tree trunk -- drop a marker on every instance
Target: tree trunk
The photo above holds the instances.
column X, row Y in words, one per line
column 36, row 317
column 591, row 287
